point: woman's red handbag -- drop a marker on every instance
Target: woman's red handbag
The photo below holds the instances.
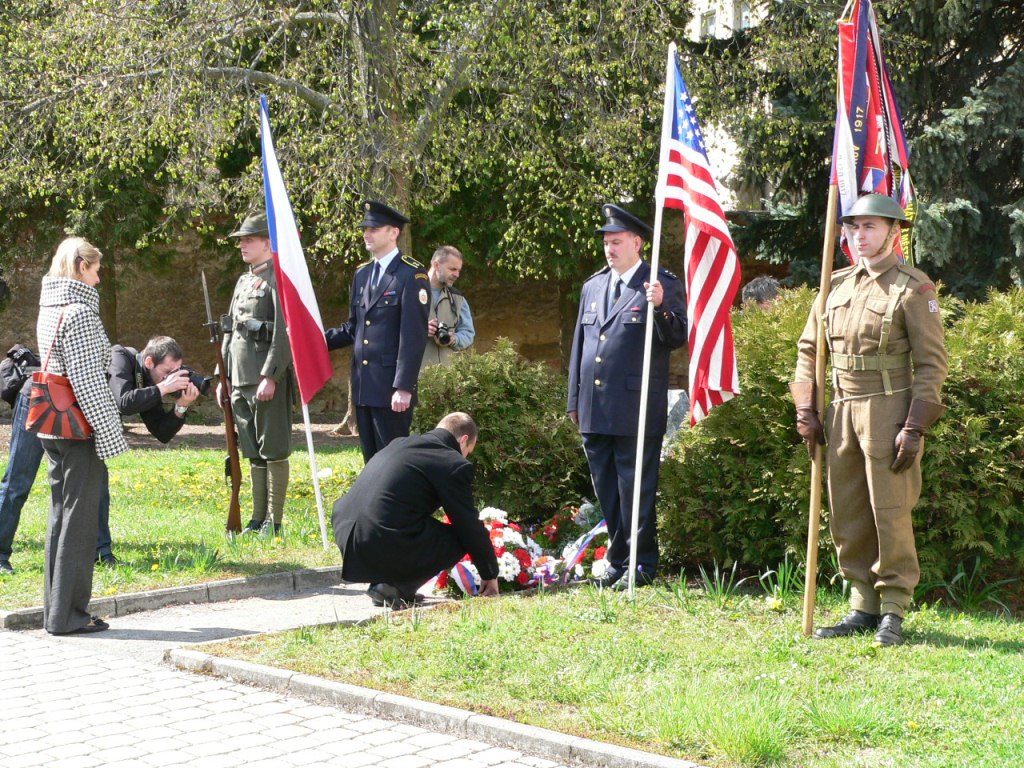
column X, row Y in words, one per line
column 52, row 407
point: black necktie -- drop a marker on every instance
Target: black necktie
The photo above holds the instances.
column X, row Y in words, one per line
column 375, row 276
column 614, row 295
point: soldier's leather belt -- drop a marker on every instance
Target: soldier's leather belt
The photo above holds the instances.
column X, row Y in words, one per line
column 843, row 362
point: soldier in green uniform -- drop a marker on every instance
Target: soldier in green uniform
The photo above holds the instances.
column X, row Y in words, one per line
column 258, row 358
column 885, row 340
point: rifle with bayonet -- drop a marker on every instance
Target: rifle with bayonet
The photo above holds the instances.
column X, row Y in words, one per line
column 232, row 465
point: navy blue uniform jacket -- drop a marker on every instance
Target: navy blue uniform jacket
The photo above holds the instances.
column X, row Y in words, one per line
column 388, row 331
column 384, row 526
column 606, row 363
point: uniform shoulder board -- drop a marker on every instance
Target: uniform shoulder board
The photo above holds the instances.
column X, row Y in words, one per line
column 841, row 274
column 920, row 281
column 662, row 272
column 602, row 271
column 366, row 263
column 421, row 275
column 411, row 262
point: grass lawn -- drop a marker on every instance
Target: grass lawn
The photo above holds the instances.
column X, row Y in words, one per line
column 690, row 670
column 167, row 516
column 724, row 682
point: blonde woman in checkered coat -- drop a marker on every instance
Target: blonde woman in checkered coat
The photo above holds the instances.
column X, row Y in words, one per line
column 69, row 320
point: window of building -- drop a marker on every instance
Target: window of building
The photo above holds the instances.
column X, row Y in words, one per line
column 741, row 15
column 708, row 24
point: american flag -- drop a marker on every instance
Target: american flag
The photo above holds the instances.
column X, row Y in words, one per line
column 869, row 152
column 712, row 266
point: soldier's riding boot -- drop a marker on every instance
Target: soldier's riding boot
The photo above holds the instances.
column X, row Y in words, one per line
column 854, row 623
column 258, row 476
column 890, row 631
column 277, row 487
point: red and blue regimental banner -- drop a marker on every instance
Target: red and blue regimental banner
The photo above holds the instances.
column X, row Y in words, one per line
column 869, row 152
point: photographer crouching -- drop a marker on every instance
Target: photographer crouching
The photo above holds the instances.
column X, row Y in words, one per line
column 140, row 381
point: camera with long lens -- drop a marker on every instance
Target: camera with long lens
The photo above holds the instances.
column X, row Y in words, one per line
column 202, row 383
column 443, row 335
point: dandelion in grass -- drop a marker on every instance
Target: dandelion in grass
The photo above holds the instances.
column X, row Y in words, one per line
column 155, row 567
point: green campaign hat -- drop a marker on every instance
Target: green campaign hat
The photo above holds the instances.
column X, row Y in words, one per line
column 253, row 225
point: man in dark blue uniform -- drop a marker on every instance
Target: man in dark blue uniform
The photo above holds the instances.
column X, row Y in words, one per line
column 605, row 374
column 387, row 326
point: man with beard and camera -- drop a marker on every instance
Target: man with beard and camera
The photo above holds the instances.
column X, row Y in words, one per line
column 450, row 328
column 140, row 381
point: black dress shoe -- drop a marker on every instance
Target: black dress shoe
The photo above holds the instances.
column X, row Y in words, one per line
column 890, row 630
column 5, row 567
column 386, row 595
column 643, row 579
column 853, row 623
column 611, row 576
column 96, row 624
column 107, row 558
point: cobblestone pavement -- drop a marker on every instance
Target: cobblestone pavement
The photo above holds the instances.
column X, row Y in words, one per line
column 73, row 702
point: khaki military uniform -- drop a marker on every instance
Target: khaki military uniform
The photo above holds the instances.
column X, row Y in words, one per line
column 885, row 342
column 256, row 345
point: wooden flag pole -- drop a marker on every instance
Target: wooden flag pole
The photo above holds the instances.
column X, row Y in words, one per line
column 818, row 458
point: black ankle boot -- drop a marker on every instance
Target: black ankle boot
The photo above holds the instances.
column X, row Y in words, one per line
column 890, row 630
column 254, row 526
column 853, row 623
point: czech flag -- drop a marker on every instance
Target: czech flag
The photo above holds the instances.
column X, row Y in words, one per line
column 301, row 312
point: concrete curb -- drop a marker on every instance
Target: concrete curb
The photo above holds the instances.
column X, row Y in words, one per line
column 211, row 592
column 539, row 742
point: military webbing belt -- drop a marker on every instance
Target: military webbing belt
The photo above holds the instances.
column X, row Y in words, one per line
column 879, row 361
column 870, row 362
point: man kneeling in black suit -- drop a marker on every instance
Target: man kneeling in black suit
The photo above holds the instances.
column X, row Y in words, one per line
column 385, row 526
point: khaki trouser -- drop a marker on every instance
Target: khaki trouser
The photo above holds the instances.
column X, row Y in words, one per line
column 871, row 505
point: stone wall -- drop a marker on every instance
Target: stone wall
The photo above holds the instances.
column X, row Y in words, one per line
column 166, row 297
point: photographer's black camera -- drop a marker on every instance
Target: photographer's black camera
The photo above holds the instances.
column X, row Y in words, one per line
column 202, row 383
column 444, row 334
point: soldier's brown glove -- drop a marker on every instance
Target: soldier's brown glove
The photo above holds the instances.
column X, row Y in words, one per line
column 922, row 415
column 808, row 423
column 809, row 426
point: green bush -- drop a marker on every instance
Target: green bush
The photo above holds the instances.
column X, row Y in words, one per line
column 737, row 486
column 529, row 460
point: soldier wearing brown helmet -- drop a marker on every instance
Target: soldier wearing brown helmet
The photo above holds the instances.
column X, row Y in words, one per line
column 885, row 340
